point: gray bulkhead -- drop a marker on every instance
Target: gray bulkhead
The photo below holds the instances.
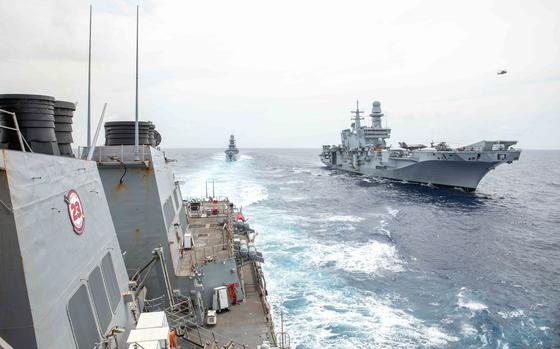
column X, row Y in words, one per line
column 59, row 289
column 147, row 210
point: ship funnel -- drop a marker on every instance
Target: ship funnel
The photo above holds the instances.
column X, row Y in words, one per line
column 123, row 133
column 36, row 118
column 63, row 116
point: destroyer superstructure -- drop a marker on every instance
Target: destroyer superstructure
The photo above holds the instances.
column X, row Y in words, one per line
column 364, row 150
column 66, row 225
column 96, row 251
column 182, row 252
column 63, row 283
column 232, row 152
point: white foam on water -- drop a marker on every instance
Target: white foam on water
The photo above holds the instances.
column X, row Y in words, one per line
column 337, row 318
column 234, row 180
column 298, row 170
column 342, row 218
column 372, row 258
column 294, row 182
column 386, row 232
column 468, row 330
column 295, row 198
column 511, row 314
column 463, row 301
column 321, row 309
column 249, row 194
column 219, row 156
column 392, row 212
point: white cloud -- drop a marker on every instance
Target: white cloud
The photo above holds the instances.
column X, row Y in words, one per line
column 286, row 74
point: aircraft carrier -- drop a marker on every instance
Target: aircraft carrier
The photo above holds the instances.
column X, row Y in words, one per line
column 364, row 150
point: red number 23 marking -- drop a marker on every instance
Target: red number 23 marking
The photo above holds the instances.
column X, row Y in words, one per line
column 76, row 211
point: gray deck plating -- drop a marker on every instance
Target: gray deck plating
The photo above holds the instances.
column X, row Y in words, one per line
column 248, row 322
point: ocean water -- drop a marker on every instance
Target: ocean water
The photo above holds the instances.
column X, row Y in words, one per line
column 355, row 262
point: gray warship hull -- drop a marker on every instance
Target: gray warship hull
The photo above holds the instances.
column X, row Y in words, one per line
column 232, row 155
column 453, row 171
column 364, row 151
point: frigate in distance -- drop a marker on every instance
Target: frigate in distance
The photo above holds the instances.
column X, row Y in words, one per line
column 232, row 153
column 364, row 150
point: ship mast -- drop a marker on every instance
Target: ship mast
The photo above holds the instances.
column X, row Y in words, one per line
column 89, row 87
column 357, row 124
column 136, row 104
column 357, row 117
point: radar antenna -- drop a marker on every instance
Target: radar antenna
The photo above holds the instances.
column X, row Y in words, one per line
column 357, row 116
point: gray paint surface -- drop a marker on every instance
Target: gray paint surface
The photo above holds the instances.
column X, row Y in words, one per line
column 13, row 294
column 363, row 150
column 48, row 261
column 217, row 274
column 145, row 206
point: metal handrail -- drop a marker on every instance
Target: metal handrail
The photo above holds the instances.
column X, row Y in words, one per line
column 113, row 154
column 216, row 253
column 20, row 136
column 283, row 340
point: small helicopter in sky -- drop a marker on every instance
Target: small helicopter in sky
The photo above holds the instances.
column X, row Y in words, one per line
column 502, row 72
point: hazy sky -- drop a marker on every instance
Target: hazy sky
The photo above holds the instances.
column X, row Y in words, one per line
column 287, row 73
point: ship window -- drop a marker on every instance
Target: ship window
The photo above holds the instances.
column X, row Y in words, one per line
column 82, row 320
column 111, row 281
column 174, row 196
column 168, row 211
column 179, row 195
column 183, row 220
column 95, row 283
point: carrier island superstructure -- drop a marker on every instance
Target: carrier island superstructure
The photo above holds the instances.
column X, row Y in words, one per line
column 364, row 150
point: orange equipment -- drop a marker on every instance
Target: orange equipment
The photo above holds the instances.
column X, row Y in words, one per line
column 173, row 339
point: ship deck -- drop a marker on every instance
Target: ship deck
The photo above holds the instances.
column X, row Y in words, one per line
column 247, row 323
column 211, row 238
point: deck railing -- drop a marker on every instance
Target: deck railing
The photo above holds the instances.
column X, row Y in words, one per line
column 16, row 129
column 116, row 153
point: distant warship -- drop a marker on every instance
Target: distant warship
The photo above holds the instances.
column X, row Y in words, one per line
column 364, row 150
column 232, row 152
